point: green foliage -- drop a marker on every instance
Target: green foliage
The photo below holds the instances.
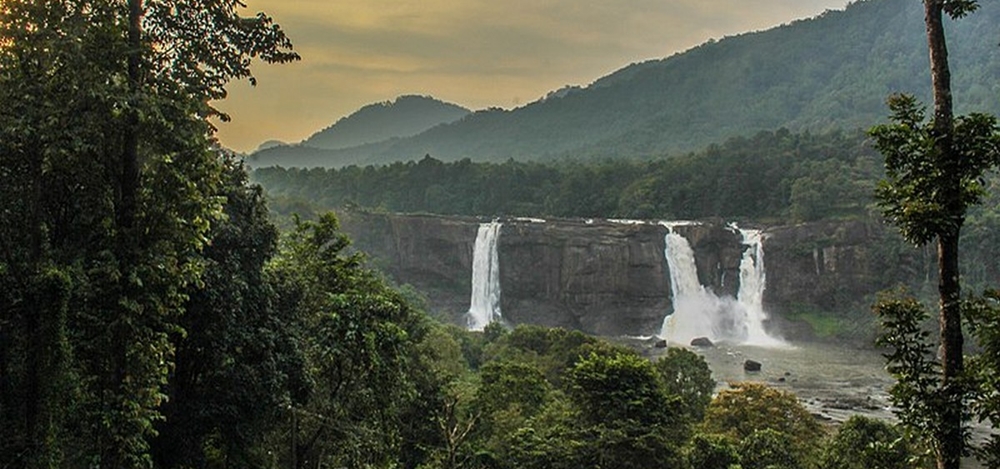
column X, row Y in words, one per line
column 748, row 408
column 686, row 375
column 510, row 395
column 550, row 440
column 494, row 331
column 916, row 195
column 550, row 398
column 707, row 451
column 105, row 139
column 960, row 8
column 769, row 448
column 551, row 350
column 911, row 358
column 773, row 175
column 507, row 384
column 620, row 387
column 357, row 338
column 235, row 354
column 628, row 417
column 935, row 173
column 981, row 241
column 442, row 354
column 631, row 447
column 863, row 443
column 918, row 394
column 983, row 368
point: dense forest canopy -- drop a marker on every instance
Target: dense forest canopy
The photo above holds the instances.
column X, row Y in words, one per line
column 770, row 176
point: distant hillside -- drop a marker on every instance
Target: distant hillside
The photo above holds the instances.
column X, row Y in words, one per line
column 404, row 117
column 270, row 144
column 832, row 71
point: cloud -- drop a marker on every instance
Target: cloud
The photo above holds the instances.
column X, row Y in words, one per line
column 476, row 53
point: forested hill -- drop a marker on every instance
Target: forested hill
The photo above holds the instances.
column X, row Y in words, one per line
column 832, row 71
column 404, row 117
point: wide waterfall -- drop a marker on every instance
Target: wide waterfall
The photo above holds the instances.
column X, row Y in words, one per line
column 484, row 306
column 699, row 312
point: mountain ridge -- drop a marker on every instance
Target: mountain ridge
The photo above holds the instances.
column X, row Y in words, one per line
column 405, row 116
column 819, row 74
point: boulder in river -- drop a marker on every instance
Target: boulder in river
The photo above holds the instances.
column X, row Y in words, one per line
column 702, row 342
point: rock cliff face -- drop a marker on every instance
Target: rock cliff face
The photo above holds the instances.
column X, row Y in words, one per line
column 818, row 264
column 601, row 278
column 612, row 278
column 838, row 266
column 431, row 253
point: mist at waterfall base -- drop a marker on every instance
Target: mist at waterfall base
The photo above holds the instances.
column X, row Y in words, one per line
column 484, row 306
column 699, row 312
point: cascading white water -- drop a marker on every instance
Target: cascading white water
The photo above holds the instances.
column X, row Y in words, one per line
column 484, row 306
column 692, row 302
column 699, row 312
column 751, row 292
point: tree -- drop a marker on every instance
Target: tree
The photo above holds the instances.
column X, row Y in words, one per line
column 926, row 194
column 103, row 115
column 627, row 418
column 769, row 449
column 711, row 452
column 38, row 62
column 749, row 407
column 235, row 358
column 512, row 387
column 551, row 440
column 934, row 174
column 436, row 369
column 510, row 394
column 686, row 375
column 863, row 442
column 617, row 387
column 356, row 335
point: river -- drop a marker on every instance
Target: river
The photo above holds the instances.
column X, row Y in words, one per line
column 833, row 382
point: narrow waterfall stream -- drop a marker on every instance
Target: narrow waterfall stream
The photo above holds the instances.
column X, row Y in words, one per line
column 751, row 293
column 484, row 306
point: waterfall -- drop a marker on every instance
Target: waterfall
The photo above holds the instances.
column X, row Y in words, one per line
column 699, row 312
column 693, row 303
column 484, row 306
column 751, row 292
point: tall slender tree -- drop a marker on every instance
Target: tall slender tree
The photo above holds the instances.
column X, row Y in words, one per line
column 934, row 174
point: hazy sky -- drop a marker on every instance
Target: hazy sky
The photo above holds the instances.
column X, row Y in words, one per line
column 475, row 53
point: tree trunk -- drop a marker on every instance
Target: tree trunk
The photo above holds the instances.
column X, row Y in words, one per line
column 949, row 437
column 940, row 72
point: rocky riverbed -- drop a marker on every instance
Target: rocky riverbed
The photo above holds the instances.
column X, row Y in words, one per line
column 832, row 382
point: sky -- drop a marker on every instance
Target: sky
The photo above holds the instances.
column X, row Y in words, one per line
column 474, row 53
